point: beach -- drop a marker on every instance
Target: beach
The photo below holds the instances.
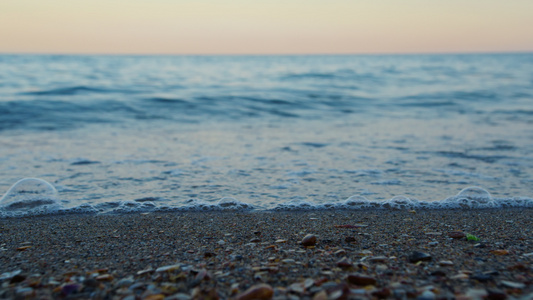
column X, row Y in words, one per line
column 364, row 254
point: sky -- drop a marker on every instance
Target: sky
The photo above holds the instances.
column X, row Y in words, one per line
column 265, row 26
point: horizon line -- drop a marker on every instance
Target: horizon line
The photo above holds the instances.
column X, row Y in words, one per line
column 266, row 54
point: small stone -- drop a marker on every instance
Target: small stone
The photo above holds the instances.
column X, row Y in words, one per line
column 322, row 295
column 512, row 284
column 434, row 233
column 308, row 283
column 439, row 273
column 500, row 252
column 167, row 268
column 383, row 293
column 360, row 279
column 476, row 293
column 445, row 263
column 155, row 297
column 259, row 291
column 255, row 240
column 280, row 241
column 125, row 282
column 495, row 294
column 25, row 292
column 17, row 278
column 481, row 277
column 23, row 248
column 456, row 234
column 340, row 252
column 8, row 275
column 297, row 288
column 339, row 291
column 419, row 256
column 426, row 295
column 70, row 288
column 105, row 277
column 459, row 276
column 349, row 239
column 309, row 240
column 380, row 259
column 288, row 261
column 344, row 263
column 146, row 271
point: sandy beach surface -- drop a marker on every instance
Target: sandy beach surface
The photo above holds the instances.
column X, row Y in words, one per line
column 439, row 254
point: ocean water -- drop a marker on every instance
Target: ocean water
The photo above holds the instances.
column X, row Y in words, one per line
column 118, row 134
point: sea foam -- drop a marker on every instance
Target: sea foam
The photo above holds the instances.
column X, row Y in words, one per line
column 33, row 196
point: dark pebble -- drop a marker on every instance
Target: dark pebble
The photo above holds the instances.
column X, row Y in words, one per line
column 344, row 263
column 349, row 239
column 416, row 256
column 382, row 293
column 481, row 277
column 456, row 234
column 309, row 240
column 439, row 273
column 495, row 294
column 17, row 278
column 360, row 279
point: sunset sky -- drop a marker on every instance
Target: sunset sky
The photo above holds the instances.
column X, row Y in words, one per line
column 265, row 27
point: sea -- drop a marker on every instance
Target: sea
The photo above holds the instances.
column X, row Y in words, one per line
column 97, row 134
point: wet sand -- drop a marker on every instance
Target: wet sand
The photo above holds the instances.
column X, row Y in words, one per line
column 210, row 255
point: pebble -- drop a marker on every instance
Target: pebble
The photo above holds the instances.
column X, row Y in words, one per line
column 416, row 256
column 456, row 234
column 360, row 279
column 104, row 277
column 167, row 268
column 433, row 233
column 288, row 261
column 426, row 295
column 280, row 241
column 340, row 252
column 349, row 239
column 459, row 276
column 344, row 263
column 495, row 294
column 309, row 240
column 481, row 277
column 25, row 292
column 445, row 263
column 500, row 252
column 513, row 285
column 378, row 259
column 259, row 291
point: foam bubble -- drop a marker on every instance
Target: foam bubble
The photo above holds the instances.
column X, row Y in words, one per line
column 472, row 197
column 229, row 203
column 30, row 195
column 401, row 202
column 358, row 202
column 296, row 204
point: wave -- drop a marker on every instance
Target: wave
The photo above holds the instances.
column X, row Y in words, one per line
column 35, row 197
column 59, row 115
column 74, row 90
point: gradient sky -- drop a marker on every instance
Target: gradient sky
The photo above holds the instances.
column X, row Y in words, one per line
column 265, row 26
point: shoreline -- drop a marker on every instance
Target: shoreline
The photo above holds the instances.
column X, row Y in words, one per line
column 184, row 255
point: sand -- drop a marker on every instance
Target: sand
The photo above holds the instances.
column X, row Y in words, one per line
column 210, row 255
